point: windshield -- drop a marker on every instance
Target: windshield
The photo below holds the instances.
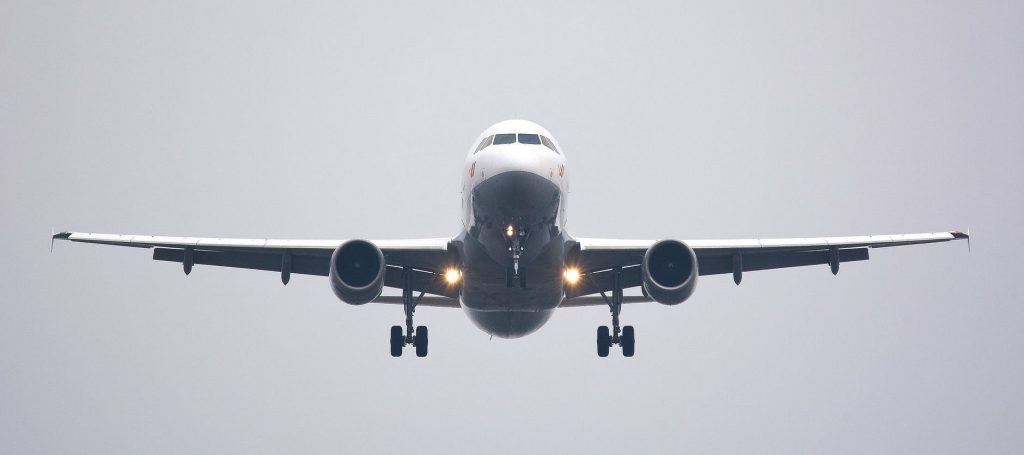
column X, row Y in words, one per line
column 547, row 143
column 511, row 138
column 502, row 139
column 484, row 143
column 529, row 139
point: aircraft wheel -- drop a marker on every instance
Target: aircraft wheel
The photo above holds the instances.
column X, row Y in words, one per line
column 397, row 341
column 604, row 341
column 421, row 341
column 628, row 341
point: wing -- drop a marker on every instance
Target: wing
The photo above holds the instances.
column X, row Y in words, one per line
column 427, row 257
column 599, row 256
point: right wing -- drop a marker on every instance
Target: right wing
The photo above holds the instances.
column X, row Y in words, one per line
column 427, row 257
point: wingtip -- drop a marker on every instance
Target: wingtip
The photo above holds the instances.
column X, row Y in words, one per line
column 64, row 235
column 958, row 235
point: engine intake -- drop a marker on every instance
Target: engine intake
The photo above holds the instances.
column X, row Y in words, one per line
column 357, row 272
column 669, row 272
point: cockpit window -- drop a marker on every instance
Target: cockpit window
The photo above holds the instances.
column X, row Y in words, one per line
column 522, row 138
column 502, row 139
column 547, row 143
column 484, row 143
column 529, row 139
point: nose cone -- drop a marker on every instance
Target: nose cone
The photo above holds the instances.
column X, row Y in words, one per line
column 517, row 195
column 534, row 159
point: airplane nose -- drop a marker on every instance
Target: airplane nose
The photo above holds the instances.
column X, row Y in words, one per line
column 517, row 158
column 517, row 194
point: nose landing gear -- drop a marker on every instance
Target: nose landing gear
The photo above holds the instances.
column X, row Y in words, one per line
column 417, row 338
column 624, row 337
column 515, row 237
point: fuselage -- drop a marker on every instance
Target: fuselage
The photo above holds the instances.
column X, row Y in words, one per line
column 514, row 189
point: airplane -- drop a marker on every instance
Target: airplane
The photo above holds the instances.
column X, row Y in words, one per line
column 513, row 262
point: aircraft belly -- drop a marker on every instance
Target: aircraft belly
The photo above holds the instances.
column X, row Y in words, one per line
column 487, row 297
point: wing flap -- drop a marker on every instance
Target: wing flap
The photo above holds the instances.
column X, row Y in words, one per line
column 604, row 280
column 427, row 300
column 596, row 300
column 719, row 264
column 302, row 264
column 422, row 281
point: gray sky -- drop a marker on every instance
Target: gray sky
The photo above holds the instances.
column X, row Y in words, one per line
column 330, row 120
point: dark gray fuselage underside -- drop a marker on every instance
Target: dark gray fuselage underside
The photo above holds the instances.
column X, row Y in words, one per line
column 530, row 202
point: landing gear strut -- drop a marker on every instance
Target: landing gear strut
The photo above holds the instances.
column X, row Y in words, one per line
column 621, row 336
column 516, row 237
column 417, row 338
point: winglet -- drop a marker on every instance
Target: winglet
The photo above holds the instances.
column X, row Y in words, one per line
column 60, row 235
column 960, row 235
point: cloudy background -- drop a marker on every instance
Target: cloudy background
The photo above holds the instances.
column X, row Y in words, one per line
column 331, row 120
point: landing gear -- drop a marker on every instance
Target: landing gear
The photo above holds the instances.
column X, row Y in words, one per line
column 604, row 341
column 516, row 237
column 421, row 341
column 628, row 341
column 397, row 341
column 624, row 336
column 417, row 338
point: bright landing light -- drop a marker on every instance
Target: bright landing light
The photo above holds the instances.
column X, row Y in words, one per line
column 572, row 275
column 452, row 275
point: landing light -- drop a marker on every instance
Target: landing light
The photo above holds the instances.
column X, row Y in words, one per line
column 572, row 275
column 510, row 231
column 452, row 275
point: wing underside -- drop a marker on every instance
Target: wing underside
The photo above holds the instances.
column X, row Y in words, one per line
column 598, row 257
column 426, row 257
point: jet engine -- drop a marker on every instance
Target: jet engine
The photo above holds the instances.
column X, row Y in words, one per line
column 669, row 272
column 357, row 272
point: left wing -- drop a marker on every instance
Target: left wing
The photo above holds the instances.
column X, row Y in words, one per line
column 599, row 256
column 427, row 257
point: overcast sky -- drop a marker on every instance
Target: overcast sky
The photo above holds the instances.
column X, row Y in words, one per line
column 332, row 120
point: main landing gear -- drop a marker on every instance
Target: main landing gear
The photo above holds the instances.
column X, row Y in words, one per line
column 624, row 337
column 417, row 338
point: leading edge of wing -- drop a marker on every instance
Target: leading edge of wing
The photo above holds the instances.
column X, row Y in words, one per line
column 869, row 241
column 227, row 244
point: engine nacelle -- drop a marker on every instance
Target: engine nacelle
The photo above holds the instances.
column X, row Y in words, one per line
column 357, row 272
column 669, row 272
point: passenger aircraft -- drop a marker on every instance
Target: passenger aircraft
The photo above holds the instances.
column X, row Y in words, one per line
column 513, row 263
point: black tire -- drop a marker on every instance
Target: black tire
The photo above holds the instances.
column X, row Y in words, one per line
column 628, row 341
column 397, row 341
column 604, row 341
column 421, row 341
